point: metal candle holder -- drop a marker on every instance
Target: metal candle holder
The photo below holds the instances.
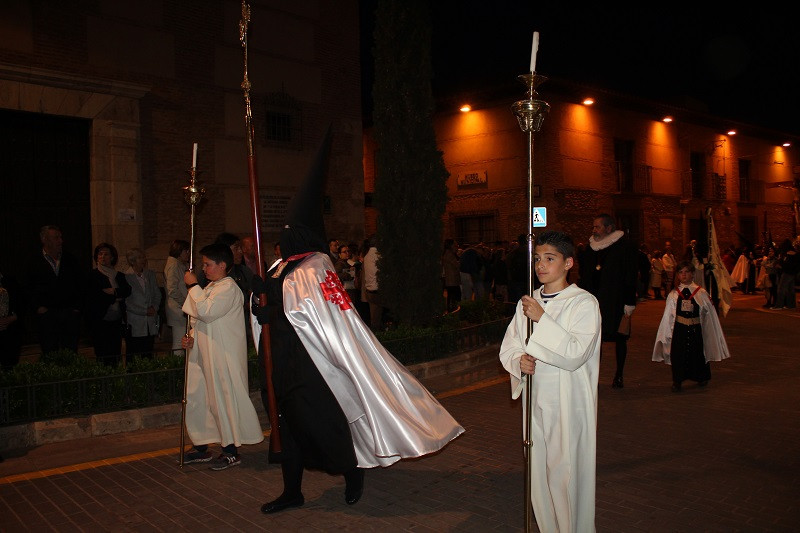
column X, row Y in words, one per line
column 530, row 115
column 193, row 194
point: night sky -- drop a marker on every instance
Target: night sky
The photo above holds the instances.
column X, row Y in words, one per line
column 743, row 66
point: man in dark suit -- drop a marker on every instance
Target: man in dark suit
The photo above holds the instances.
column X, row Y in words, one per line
column 608, row 271
column 55, row 292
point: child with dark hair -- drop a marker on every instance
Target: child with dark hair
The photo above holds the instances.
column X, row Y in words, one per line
column 218, row 405
column 559, row 366
column 690, row 335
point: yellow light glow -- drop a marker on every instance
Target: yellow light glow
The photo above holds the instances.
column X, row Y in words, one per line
column 667, row 119
column 787, row 144
column 731, row 132
column 466, row 108
column 588, row 101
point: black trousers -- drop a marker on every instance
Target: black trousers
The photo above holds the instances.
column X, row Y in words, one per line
column 140, row 346
column 621, row 352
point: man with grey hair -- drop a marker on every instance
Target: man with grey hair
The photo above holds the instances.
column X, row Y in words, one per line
column 608, row 271
column 55, row 293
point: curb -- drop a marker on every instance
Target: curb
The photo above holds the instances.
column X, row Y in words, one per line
column 70, row 428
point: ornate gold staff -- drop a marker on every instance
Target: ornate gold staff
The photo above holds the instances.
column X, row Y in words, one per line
column 192, row 194
column 265, row 348
column 530, row 115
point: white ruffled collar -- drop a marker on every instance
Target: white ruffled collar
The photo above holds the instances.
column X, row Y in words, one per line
column 606, row 241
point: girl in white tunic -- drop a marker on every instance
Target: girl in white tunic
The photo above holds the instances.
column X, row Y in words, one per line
column 689, row 336
column 561, row 359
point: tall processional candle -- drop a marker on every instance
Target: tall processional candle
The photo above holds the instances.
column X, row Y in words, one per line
column 534, row 49
column 194, row 156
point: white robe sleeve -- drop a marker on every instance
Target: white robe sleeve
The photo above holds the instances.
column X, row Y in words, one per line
column 566, row 343
column 663, row 345
column 207, row 305
column 512, row 348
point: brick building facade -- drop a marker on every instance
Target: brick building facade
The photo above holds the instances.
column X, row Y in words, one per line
column 615, row 156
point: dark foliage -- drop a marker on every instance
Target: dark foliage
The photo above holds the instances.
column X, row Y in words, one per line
column 410, row 188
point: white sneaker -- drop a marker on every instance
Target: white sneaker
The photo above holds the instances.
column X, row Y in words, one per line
column 226, row 461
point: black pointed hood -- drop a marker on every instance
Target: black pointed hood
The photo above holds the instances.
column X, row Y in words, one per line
column 305, row 227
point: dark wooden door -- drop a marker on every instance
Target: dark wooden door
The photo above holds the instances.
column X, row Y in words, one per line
column 44, row 179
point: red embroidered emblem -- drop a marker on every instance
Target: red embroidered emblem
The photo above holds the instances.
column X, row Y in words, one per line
column 334, row 292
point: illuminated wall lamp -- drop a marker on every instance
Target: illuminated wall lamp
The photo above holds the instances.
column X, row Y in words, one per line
column 731, row 132
column 667, row 119
column 588, row 101
column 786, row 144
column 466, row 108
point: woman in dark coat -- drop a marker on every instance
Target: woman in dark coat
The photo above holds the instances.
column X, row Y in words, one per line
column 108, row 289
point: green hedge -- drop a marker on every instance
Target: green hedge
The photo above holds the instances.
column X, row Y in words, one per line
column 66, row 365
column 65, row 383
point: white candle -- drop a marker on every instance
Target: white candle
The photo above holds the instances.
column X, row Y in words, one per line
column 534, row 49
column 194, row 156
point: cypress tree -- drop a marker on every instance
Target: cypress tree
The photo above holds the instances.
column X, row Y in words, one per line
column 411, row 179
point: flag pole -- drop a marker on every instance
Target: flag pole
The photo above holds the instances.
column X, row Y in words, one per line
column 530, row 115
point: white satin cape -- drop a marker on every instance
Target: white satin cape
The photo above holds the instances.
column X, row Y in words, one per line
column 714, row 346
column 392, row 416
column 563, row 421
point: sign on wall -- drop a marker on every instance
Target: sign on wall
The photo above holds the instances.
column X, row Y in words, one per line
column 539, row 217
column 273, row 211
column 472, row 179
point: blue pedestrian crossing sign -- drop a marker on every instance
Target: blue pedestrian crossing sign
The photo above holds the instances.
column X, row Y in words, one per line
column 539, row 217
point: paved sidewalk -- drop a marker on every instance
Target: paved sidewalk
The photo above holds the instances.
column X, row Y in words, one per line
column 723, row 458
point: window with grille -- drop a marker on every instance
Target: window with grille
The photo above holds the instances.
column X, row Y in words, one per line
column 283, row 121
column 744, row 180
column 279, row 127
column 623, row 157
column 697, row 164
column 475, row 229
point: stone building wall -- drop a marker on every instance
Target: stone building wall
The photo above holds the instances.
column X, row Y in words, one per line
column 153, row 77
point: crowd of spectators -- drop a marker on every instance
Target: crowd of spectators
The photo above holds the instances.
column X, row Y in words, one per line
column 57, row 299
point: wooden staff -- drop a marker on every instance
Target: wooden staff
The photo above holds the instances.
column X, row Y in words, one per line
column 264, row 347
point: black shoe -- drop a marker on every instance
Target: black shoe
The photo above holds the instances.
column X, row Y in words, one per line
column 617, row 383
column 702, row 383
column 676, row 387
column 355, row 487
column 282, row 503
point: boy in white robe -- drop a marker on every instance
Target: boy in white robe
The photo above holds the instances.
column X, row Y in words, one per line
column 561, row 361
column 218, row 405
